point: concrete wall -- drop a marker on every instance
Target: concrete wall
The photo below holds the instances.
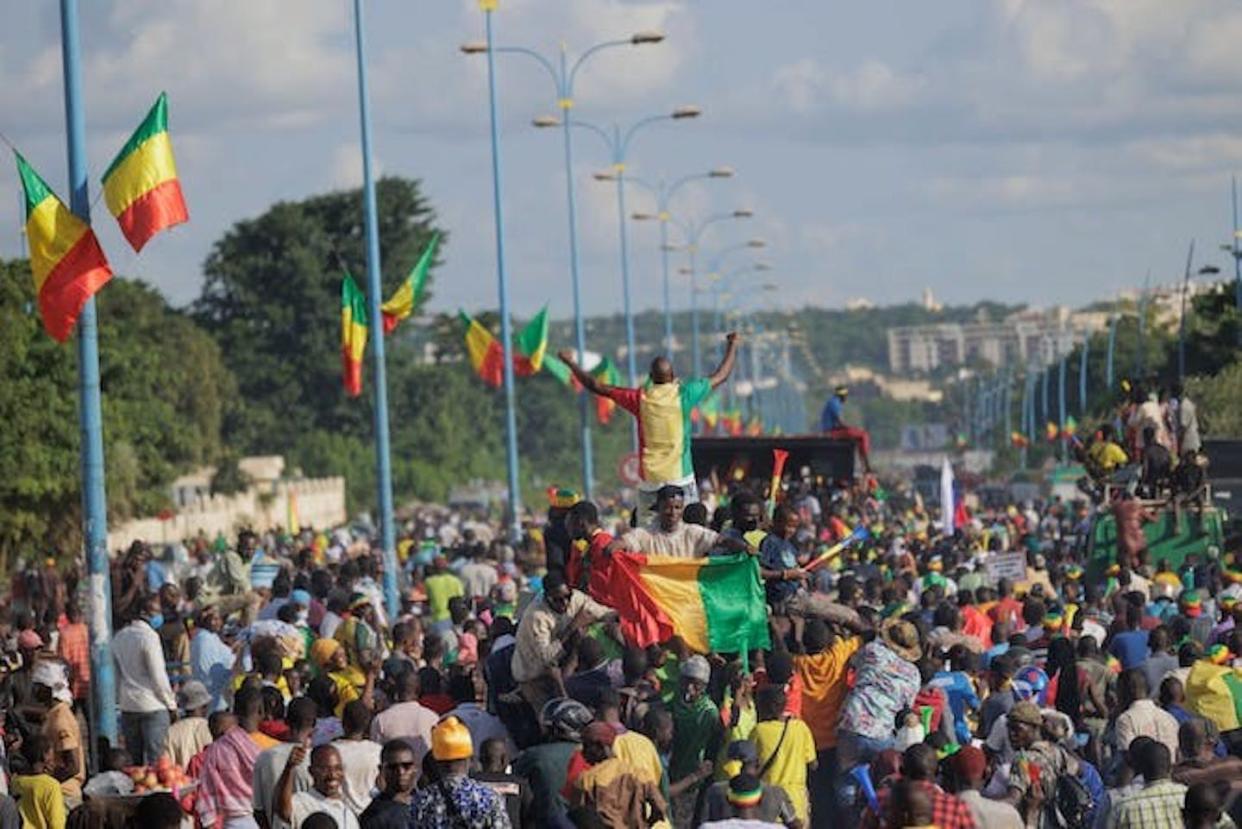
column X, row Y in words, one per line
column 321, row 504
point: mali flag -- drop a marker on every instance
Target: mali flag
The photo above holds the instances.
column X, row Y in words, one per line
column 607, row 374
column 532, row 344
column 486, row 356
column 353, row 334
column 1051, row 432
column 65, row 257
column 141, row 185
column 715, row 603
column 401, row 304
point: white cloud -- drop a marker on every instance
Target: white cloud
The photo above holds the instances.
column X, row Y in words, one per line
column 347, row 166
column 871, row 86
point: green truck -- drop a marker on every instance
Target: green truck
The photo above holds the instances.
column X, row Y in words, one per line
column 1174, row 535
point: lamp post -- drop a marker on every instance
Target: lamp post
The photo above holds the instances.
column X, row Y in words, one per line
column 691, row 234
column 618, row 144
column 506, row 339
column 383, row 470
column 714, row 268
column 722, row 283
column 1206, row 270
column 563, row 74
column 663, row 193
column 94, row 500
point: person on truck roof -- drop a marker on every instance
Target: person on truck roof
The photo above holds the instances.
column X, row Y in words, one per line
column 662, row 407
column 832, row 424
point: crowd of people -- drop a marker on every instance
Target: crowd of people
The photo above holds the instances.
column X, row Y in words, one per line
column 905, row 684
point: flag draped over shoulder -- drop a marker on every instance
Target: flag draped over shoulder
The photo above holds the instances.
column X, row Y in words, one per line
column 532, row 345
column 140, row 186
column 486, row 355
column 65, row 257
column 714, row 603
column 353, row 334
column 410, row 295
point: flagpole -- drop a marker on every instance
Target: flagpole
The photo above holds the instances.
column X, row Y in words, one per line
column 506, row 344
column 94, row 497
column 383, row 469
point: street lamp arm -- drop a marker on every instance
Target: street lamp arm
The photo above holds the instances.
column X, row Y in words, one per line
column 573, row 72
column 681, row 182
column 602, row 133
column 635, row 127
column 543, row 61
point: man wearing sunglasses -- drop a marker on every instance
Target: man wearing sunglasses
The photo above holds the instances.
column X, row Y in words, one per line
column 398, row 770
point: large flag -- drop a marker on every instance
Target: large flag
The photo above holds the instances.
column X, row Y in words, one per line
column 532, row 345
column 141, row 186
column 486, row 356
column 353, row 334
column 715, row 603
column 607, row 374
column 65, row 257
column 408, row 297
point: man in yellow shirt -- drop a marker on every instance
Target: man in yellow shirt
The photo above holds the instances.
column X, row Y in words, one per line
column 39, row 798
column 1105, row 455
column 786, row 749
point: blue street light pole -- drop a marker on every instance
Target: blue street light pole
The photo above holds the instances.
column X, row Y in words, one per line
column 713, row 268
column 1236, row 252
column 506, row 331
column 618, row 150
column 663, row 193
column 383, row 470
column 1061, row 404
column 691, row 234
column 563, row 75
column 94, row 498
column 1082, row 375
column 1108, row 364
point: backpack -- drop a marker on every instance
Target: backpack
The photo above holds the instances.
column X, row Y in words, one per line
column 1071, row 805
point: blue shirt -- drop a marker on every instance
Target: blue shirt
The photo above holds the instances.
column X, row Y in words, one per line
column 775, row 553
column 1130, row 648
column 211, row 663
column 830, row 418
column 961, row 693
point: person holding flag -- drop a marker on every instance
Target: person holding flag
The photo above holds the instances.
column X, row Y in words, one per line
column 662, row 406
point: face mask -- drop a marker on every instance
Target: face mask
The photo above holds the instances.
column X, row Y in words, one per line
column 156, row 621
column 303, row 618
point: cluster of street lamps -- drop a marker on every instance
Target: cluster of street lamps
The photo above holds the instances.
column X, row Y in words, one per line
column 617, row 139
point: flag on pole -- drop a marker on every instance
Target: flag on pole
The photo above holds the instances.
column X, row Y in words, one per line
column 410, row 295
column 946, row 497
column 1051, row 431
column 858, row 534
column 353, row 334
column 1018, row 440
column 556, row 367
column 486, row 356
column 65, row 257
column 532, row 345
column 606, row 373
column 140, row 186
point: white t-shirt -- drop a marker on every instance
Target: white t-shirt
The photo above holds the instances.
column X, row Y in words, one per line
column 306, row 804
column 361, row 761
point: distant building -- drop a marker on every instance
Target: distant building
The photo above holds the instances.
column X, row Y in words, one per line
column 1024, row 337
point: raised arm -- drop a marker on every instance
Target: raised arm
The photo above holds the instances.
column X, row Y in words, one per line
column 588, row 382
column 725, row 368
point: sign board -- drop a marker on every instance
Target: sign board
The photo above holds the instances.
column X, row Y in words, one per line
column 629, row 470
column 1010, row 566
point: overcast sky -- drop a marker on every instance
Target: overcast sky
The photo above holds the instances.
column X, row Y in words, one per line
column 1021, row 150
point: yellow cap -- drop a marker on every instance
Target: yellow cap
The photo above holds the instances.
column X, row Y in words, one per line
column 450, row 740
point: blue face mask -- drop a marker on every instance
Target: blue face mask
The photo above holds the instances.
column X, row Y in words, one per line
column 156, row 621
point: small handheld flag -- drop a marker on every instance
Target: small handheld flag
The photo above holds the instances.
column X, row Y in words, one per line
column 860, row 533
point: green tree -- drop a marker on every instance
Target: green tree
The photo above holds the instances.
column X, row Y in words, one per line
column 271, row 299
column 165, row 397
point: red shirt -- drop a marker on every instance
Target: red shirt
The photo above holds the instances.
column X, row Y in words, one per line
column 1008, row 608
column 975, row 623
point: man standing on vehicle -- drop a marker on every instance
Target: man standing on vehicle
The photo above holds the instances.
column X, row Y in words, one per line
column 831, row 424
column 662, row 406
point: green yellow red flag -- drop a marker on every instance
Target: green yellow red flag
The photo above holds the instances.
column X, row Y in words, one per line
column 532, row 345
column 140, row 186
column 606, row 372
column 486, row 355
column 353, row 334
column 65, row 257
column 410, row 295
